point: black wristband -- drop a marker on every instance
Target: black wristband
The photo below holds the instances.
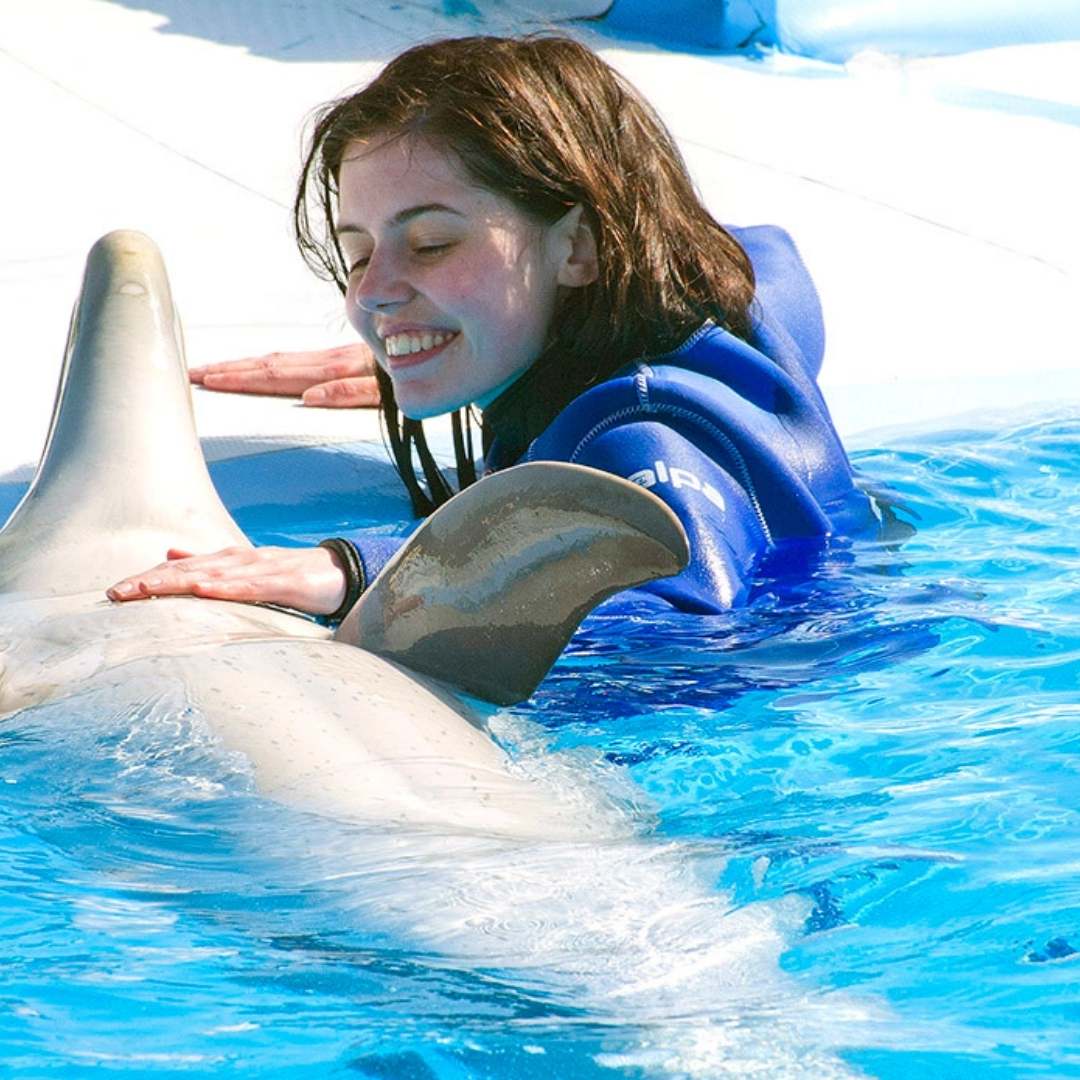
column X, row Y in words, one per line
column 355, row 581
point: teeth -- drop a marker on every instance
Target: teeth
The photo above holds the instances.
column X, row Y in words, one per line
column 404, row 344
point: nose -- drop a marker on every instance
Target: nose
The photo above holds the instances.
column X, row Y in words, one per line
column 382, row 284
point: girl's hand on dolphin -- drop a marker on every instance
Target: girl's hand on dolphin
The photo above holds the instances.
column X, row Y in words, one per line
column 339, row 378
column 306, row 579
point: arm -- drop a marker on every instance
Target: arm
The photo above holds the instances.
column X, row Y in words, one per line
column 726, row 534
column 786, row 296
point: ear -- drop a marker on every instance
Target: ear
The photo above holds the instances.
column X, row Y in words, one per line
column 576, row 249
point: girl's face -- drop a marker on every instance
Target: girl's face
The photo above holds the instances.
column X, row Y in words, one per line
column 451, row 286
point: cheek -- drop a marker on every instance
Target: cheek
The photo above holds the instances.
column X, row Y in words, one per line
column 497, row 303
column 460, row 289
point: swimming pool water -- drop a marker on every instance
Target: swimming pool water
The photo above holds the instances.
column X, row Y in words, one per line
column 861, row 793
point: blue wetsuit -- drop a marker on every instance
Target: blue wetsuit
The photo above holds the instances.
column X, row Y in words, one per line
column 733, row 435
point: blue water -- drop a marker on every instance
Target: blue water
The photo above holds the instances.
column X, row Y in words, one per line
column 888, row 754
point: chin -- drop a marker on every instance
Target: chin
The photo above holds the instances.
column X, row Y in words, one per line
column 420, row 408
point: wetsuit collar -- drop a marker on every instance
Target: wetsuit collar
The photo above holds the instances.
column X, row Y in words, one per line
column 528, row 405
column 520, row 413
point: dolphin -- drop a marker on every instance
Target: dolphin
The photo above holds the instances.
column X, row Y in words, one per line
column 382, row 720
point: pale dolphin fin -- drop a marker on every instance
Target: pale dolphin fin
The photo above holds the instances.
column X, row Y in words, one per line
column 122, row 476
column 487, row 592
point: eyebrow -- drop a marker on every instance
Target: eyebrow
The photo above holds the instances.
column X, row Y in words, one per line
column 405, row 215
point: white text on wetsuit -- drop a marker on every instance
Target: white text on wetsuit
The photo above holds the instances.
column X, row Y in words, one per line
column 660, row 473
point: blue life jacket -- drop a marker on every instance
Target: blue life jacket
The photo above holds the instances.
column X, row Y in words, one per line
column 733, row 435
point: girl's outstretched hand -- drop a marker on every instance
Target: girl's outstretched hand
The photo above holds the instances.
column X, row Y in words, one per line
column 340, row 378
column 306, row 579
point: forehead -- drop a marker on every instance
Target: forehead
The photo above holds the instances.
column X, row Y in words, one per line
column 378, row 179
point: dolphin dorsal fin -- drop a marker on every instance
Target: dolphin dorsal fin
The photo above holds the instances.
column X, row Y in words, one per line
column 487, row 592
column 122, row 476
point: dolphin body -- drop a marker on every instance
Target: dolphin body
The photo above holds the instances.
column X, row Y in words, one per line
column 380, row 723
column 368, row 723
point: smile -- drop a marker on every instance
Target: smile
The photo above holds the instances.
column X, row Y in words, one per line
column 406, row 349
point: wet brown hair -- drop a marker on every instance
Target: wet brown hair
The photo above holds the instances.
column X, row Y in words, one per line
column 545, row 123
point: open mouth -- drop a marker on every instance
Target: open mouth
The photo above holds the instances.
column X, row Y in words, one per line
column 406, row 350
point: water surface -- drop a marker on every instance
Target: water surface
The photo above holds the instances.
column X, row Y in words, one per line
column 861, row 792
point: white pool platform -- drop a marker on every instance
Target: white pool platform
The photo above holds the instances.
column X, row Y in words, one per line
column 933, row 200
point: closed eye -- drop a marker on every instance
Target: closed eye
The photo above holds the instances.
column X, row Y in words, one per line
column 427, row 250
column 432, row 249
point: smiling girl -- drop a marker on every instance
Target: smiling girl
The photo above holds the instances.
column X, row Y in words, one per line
column 514, row 232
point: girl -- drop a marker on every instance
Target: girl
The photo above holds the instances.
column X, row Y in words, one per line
column 514, row 231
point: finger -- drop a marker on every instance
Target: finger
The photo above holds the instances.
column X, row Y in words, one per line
column 270, row 374
column 361, row 392
column 162, row 581
column 338, row 362
column 124, row 590
column 328, row 364
column 178, row 584
column 287, row 382
column 175, row 556
column 176, row 575
column 280, row 360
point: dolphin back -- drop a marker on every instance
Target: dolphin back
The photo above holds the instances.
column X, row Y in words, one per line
column 122, row 476
column 487, row 592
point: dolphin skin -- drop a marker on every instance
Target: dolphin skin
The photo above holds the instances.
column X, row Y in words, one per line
column 370, row 723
